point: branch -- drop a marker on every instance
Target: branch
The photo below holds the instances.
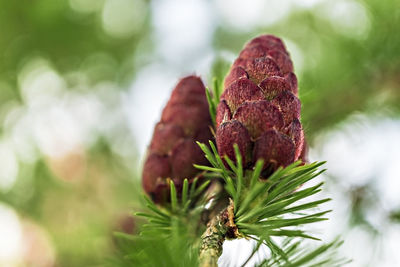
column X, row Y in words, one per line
column 221, row 227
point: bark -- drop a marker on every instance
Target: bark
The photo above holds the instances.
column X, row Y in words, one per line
column 221, row 227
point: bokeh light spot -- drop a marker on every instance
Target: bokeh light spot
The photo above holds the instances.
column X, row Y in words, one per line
column 347, row 17
column 11, row 236
column 86, row 6
column 123, row 18
column 8, row 166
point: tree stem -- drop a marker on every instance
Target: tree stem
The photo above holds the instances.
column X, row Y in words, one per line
column 221, row 227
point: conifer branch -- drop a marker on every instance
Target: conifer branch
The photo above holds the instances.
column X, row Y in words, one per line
column 218, row 229
column 261, row 209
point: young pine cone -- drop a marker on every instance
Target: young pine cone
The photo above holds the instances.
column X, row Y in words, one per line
column 259, row 108
column 173, row 150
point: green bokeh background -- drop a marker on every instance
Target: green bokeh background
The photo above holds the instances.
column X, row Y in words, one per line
column 341, row 74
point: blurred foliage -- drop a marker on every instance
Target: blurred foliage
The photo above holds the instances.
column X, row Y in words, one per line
column 79, row 198
column 69, row 39
column 80, row 209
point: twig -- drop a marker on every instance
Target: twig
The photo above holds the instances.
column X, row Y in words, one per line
column 221, row 227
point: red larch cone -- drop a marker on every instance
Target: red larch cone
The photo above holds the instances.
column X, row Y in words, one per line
column 173, row 149
column 259, row 108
